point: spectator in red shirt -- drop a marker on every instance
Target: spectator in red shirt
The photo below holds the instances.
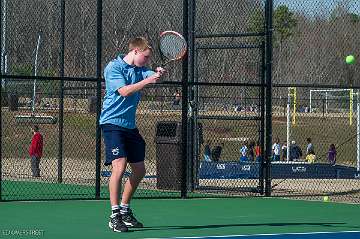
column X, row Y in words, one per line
column 35, row 151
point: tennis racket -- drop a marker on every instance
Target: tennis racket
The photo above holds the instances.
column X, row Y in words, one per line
column 172, row 46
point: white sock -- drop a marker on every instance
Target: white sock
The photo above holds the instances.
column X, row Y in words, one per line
column 124, row 208
column 115, row 210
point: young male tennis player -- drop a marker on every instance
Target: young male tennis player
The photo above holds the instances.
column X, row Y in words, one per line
column 125, row 77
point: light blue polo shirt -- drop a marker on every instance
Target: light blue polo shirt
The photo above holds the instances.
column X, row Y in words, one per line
column 117, row 109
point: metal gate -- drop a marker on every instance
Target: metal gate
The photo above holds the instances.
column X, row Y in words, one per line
column 226, row 97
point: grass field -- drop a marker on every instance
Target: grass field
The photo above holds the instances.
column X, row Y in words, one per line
column 79, row 135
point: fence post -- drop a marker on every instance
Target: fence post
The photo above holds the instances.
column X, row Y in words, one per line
column 262, row 115
column 1, row 72
column 269, row 46
column 98, row 96
column 1, row 140
column 61, row 103
column 187, row 69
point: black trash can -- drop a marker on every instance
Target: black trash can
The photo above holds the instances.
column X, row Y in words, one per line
column 168, row 155
column 92, row 101
column 13, row 101
column 169, row 165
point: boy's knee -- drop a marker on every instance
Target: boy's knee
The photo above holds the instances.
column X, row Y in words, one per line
column 118, row 166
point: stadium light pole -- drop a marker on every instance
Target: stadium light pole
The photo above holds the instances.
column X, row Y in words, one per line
column 35, row 72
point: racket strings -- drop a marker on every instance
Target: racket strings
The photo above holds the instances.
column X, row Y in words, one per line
column 172, row 46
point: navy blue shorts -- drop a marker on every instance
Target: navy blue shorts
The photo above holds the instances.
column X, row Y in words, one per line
column 123, row 143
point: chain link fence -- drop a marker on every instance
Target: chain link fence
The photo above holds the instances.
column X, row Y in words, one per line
column 53, row 52
column 316, row 98
column 331, row 166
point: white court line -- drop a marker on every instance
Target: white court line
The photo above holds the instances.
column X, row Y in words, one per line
column 255, row 235
column 313, row 200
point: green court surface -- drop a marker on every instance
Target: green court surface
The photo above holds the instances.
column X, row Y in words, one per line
column 24, row 190
column 166, row 218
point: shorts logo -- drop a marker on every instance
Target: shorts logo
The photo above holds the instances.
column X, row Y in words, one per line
column 115, row 151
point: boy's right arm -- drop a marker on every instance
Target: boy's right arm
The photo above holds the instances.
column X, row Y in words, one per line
column 128, row 90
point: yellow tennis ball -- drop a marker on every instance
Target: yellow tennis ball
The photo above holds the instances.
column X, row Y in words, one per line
column 326, row 199
column 350, row 59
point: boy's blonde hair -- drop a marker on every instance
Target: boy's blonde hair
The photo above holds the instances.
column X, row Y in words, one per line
column 139, row 42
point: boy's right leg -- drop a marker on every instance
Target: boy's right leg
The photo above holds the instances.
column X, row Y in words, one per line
column 116, row 157
column 138, row 173
column 118, row 168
